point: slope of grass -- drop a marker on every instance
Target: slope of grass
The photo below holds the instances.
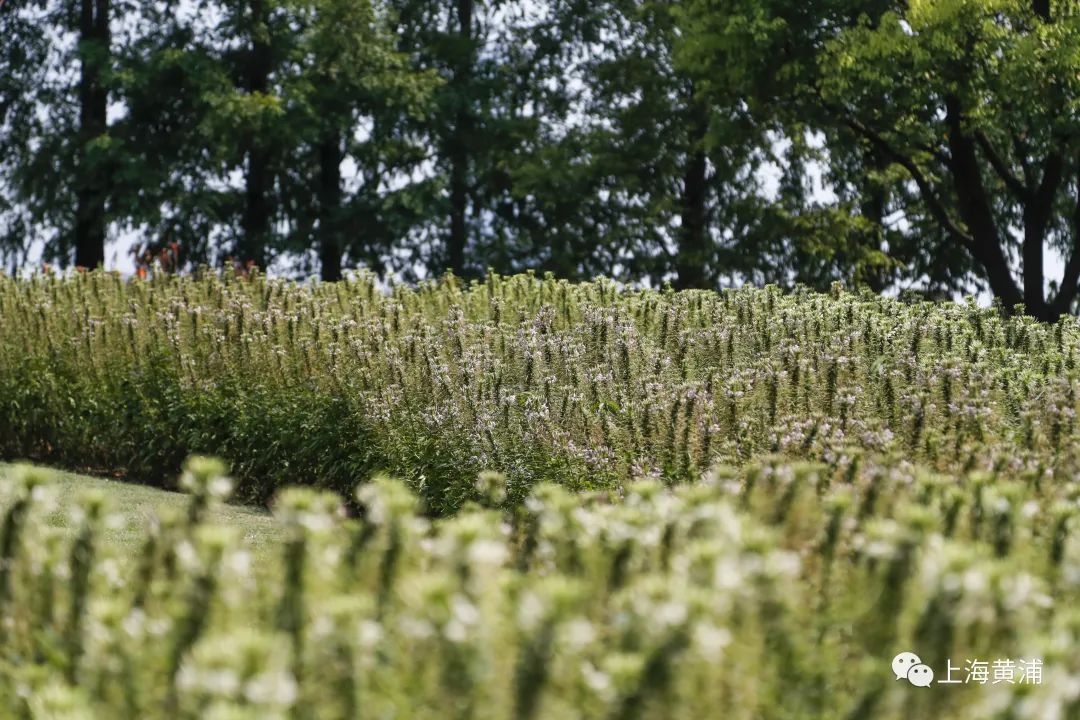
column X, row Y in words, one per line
column 132, row 506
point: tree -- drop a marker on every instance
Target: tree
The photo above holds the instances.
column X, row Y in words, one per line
column 56, row 126
column 445, row 38
column 175, row 87
column 206, row 110
column 248, row 112
column 481, row 126
column 92, row 171
column 461, row 136
column 960, row 113
column 672, row 181
column 204, row 94
column 348, row 79
column 23, row 64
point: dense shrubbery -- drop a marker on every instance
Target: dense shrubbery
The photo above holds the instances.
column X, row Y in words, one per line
column 775, row 591
column 587, row 385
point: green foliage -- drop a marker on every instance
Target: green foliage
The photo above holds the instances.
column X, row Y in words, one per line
column 652, row 174
column 587, row 385
column 407, row 137
column 779, row 590
column 613, row 503
column 884, row 144
column 948, row 126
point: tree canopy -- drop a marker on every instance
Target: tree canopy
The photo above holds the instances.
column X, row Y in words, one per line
column 950, row 126
column 931, row 146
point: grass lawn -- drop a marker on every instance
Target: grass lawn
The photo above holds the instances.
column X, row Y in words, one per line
column 135, row 503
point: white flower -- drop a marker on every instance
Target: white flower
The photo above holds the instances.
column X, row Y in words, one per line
column 186, row 555
column 530, row 611
column 369, row 633
column 238, row 563
column 487, row 553
column 577, row 634
column 670, row 614
column 596, row 680
column 463, row 610
column 710, row 640
column 134, row 624
column 416, row 628
column 271, row 688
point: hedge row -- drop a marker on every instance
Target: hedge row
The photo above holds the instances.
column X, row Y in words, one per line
column 588, row 385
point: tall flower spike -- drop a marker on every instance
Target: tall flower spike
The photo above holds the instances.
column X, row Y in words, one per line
column 206, row 480
column 491, row 488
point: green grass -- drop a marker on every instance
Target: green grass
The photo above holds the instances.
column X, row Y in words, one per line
column 134, row 505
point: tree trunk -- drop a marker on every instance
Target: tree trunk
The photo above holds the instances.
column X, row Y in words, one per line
column 1038, row 211
column 330, row 245
column 1032, row 253
column 975, row 209
column 1069, row 279
column 692, row 260
column 256, row 221
column 875, row 200
column 460, row 141
column 92, row 180
column 255, row 224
